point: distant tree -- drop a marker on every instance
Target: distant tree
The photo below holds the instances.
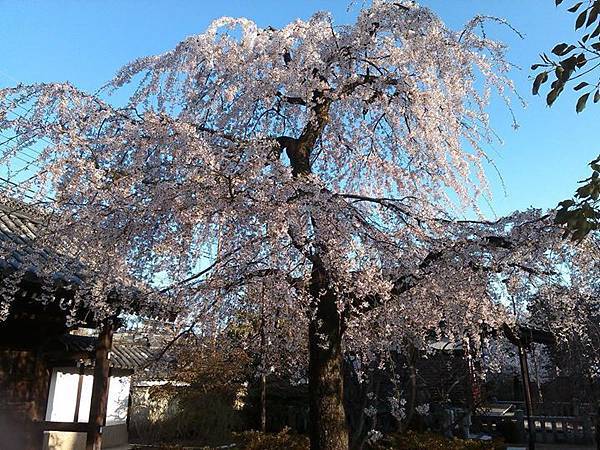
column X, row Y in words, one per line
column 571, row 311
column 205, row 385
column 575, row 65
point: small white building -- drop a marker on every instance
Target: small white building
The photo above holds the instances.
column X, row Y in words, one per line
column 70, row 391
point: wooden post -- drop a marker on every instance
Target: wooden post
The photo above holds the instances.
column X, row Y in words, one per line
column 100, row 387
column 263, row 403
column 520, row 424
column 263, row 376
column 79, row 389
column 527, row 394
column 540, row 399
column 597, row 424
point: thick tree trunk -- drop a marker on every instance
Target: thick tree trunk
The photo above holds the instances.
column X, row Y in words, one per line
column 328, row 427
column 413, row 396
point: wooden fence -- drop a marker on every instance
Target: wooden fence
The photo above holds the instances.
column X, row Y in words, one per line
column 567, row 429
column 574, row 408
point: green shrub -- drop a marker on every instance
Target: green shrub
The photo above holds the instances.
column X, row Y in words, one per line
column 204, row 418
column 431, row 441
column 284, row 440
column 287, row 440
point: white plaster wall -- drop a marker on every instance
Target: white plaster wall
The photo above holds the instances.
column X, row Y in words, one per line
column 118, row 398
column 63, row 395
column 114, row 436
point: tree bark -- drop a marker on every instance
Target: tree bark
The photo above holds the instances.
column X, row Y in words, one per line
column 413, row 396
column 328, row 426
column 327, row 419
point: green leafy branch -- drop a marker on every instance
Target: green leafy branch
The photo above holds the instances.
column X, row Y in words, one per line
column 574, row 65
column 571, row 63
column 581, row 215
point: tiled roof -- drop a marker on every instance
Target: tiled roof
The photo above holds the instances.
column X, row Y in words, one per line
column 19, row 224
column 19, row 227
column 124, row 355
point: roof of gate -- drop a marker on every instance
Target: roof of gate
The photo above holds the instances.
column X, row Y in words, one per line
column 124, row 355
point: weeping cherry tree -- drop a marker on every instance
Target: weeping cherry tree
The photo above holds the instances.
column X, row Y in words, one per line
column 316, row 158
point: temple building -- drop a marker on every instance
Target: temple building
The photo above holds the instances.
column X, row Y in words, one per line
column 64, row 384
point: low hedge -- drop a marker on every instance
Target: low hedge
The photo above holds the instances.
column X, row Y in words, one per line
column 286, row 440
column 431, row 441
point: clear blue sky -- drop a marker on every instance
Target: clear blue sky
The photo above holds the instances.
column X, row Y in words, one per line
column 85, row 42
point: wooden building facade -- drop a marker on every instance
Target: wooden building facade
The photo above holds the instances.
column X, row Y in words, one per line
column 58, row 390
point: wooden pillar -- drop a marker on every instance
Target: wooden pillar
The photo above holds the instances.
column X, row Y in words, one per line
column 527, row 394
column 263, row 376
column 99, row 401
column 597, row 424
column 79, row 389
column 263, row 403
